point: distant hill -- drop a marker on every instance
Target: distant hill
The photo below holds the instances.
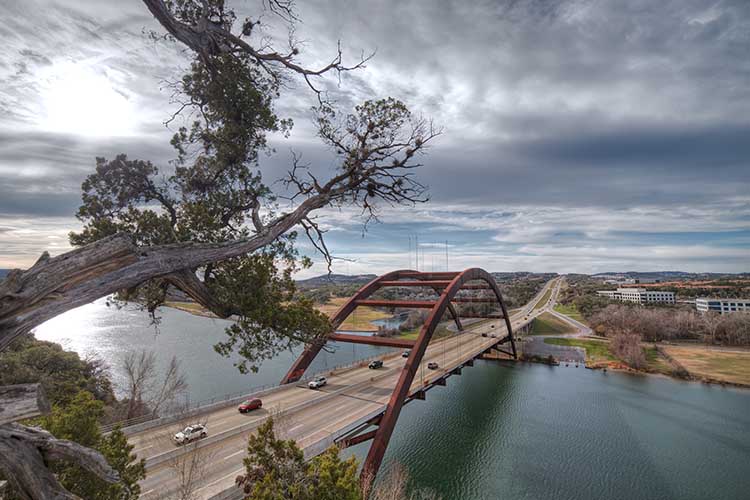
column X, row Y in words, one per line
column 335, row 279
column 668, row 275
column 361, row 279
column 3, row 273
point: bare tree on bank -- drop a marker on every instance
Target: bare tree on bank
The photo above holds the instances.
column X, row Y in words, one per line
column 148, row 392
column 214, row 228
column 394, row 485
column 656, row 324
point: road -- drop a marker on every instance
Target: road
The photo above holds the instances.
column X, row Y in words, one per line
column 535, row 345
column 313, row 418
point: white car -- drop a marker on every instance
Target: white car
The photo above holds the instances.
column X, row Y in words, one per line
column 317, row 383
column 191, row 433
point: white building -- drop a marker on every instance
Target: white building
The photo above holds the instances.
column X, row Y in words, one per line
column 722, row 306
column 639, row 295
column 620, row 281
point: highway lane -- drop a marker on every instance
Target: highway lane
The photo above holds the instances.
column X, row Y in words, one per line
column 350, row 397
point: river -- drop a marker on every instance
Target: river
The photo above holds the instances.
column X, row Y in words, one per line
column 497, row 431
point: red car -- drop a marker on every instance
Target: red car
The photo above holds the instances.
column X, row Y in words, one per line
column 250, row 405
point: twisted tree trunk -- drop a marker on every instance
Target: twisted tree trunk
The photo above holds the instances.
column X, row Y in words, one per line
column 54, row 285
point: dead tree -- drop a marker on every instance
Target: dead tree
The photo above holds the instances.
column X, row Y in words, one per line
column 147, row 391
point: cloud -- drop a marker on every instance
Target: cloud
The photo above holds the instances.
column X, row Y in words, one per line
column 579, row 135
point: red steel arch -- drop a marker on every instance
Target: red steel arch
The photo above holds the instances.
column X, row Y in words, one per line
column 311, row 351
column 449, row 284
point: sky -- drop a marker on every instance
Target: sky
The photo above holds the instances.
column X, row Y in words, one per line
column 579, row 136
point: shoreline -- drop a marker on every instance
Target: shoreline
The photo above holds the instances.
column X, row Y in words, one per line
column 620, row 367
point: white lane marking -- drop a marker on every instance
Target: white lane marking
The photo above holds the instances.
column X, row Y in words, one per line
column 233, row 473
column 233, row 454
column 295, row 427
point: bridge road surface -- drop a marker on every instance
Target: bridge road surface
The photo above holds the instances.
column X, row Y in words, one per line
column 313, row 418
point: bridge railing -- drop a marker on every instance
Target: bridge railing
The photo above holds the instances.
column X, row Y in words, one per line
column 191, row 406
column 187, row 406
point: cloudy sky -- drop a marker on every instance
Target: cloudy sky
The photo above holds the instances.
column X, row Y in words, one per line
column 580, row 136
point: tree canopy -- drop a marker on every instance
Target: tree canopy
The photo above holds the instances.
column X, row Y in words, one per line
column 275, row 469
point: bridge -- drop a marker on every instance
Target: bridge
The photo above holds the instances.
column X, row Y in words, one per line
column 358, row 404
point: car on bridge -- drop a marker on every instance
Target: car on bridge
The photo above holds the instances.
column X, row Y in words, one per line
column 191, row 433
column 432, row 365
column 317, row 383
column 375, row 364
column 250, row 405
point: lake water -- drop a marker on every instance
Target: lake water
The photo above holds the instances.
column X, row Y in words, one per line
column 499, row 430
column 108, row 333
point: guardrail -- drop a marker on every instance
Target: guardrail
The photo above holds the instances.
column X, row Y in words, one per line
column 192, row 408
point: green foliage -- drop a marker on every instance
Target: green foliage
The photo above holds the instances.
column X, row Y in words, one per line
column 273, row 318
column 276, row 470
column 79, row 422
column 333, row 478
column 62, row 373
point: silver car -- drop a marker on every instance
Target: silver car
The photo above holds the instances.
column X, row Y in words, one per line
column 317, row 383
column 191, row 433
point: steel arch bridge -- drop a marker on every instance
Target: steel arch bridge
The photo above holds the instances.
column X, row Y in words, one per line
column 447, row 286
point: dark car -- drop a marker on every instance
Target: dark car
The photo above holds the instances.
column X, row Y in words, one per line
column 484, row 335
column 250, row 405
column 375, row 364
column 405, row 354
column 432, row 365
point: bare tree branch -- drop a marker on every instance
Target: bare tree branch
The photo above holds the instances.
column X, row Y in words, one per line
column 211, row 35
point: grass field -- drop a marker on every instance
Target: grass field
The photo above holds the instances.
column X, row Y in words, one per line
column 359, row 320
column 543, row 301
column 410, row 334
column 570, row 311
column 729, row 365
column 596, row 350
column 548, row 324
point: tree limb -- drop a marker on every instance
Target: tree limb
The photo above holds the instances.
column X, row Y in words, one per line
column 209, row 37
column 25, row 451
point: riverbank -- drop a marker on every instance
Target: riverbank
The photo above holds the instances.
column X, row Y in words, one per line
column 705, row 364
column 191, row 307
